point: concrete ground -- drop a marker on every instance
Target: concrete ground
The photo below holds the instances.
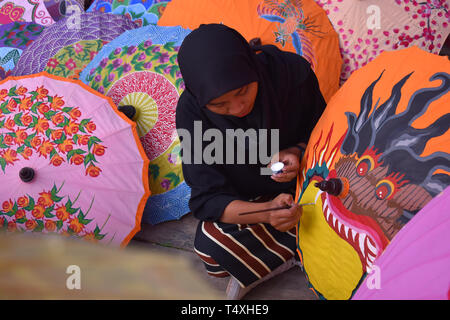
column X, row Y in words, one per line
column 177, row 237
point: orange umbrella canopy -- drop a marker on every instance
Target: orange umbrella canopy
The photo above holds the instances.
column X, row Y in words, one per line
column 379, row 154
column 297, row 26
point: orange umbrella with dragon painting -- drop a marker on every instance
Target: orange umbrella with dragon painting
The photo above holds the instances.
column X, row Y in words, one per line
column 70, row 163
column 377, row 156
column 297, row 26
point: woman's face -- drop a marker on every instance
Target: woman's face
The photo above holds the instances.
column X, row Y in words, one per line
column 238, row 102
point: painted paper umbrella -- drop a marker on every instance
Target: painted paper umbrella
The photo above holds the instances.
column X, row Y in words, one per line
column 140, row 69
column 377, row 156
column 70, row 163
column 14, row 38
column 366, row 29
column 143, row 12
column 416, row 264
column 25, row 11
column 67, row 46
column 292, row 25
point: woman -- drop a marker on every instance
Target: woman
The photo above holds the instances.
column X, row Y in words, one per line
column 230, row 85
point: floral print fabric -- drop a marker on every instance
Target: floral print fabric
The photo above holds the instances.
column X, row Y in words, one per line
column 72, row 59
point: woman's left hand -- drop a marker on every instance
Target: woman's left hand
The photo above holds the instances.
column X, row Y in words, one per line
column 291, row 160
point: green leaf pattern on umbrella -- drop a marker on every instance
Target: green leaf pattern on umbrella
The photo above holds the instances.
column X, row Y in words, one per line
column 72, row 59
column 49, row 213
column 36, row 122
column 174, row 176
column 20, row 35
column 158, row 58
column 13, row 55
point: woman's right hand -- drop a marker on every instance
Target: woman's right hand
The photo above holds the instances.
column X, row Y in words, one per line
column 284, row 219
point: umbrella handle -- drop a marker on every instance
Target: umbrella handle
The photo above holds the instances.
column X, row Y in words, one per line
column 26, row 174
column 128, row 110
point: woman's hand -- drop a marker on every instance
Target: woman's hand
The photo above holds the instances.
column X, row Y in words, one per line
column 285, row 219
column 291, row 160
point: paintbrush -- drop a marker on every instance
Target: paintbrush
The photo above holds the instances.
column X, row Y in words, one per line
column 276, row 208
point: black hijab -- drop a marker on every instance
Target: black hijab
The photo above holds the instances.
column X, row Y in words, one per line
column 215, row 59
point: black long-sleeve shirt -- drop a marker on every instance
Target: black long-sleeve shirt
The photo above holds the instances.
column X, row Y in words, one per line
column 214, row 186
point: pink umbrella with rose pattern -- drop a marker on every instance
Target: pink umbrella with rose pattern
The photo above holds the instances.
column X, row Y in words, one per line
column 69, row 163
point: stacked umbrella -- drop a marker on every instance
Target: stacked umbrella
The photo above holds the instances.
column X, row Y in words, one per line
column 65, row 47
column 55, row 131
column 140, row 69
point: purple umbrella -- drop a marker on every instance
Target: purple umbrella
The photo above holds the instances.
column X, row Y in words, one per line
column 416, row 264
column 68, row 31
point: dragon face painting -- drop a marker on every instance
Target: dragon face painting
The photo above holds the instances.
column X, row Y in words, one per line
column 389, row 174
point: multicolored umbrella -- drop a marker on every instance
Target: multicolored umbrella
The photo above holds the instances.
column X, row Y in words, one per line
column 64, row 49
column 297, row 26
column 143, row 12
column 70, row 163
column 416, row 264
column 368, row 28
column 379, row 153
column 25, row 11
column 140, row 68
column 14, row 38
column 19, row 34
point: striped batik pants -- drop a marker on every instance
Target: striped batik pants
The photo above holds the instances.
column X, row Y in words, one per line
column 247, row 252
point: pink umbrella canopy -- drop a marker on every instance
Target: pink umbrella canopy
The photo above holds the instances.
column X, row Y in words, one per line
column 70, row 163
column 23, row 10
column 367, row 28
column 416, row 264
column 43, row 12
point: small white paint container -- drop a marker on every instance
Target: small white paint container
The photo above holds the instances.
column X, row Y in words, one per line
column 277, row 167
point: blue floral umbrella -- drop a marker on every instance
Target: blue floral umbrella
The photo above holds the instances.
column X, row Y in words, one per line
column 140, row 68
column 143, row 12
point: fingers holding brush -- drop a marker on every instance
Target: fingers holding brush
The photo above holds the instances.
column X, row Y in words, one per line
column 285, row 219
